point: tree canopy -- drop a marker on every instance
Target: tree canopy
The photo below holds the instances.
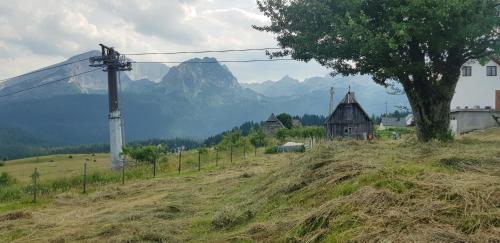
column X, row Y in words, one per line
column 145, row 153
column 286, row 119
column 421, row 44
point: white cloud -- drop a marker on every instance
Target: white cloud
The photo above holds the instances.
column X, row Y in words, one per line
column 37, row 33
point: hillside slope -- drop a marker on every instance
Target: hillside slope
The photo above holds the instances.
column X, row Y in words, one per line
column 399, row 191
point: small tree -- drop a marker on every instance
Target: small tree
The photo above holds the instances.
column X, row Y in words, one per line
column 257, row 139
column 282, row 134
column 232, row 139
column 286, row 119
column 145, row 153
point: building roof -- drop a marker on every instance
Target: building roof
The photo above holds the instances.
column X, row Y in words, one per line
column 496, row 59
column 349, row 98
column 273, row 119
column 394, row 121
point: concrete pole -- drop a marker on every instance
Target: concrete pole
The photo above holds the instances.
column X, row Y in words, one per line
column 111, row 61
column 115, row 122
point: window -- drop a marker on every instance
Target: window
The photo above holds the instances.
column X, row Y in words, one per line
column 466, row 71
column 348, row 130
column 491, row 71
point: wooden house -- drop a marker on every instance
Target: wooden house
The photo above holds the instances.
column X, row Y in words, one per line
column 348, row 120
column 273, row 124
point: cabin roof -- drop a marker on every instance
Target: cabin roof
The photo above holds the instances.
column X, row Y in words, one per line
column 273, row 119
column 349, row 98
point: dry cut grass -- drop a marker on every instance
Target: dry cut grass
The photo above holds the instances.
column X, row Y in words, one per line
column 350, row 191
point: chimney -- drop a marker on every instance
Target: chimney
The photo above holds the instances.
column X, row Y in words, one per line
column 497, row 101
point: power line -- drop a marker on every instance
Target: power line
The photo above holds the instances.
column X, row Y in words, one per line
column 224, row 61
column 200, row 52
column 48, row 83
column 45, row 69
column 150, row 53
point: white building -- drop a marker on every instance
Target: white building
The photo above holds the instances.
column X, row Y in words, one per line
column 476, row 104
column 478, row 86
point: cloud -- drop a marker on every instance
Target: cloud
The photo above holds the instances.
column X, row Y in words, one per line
column 34, row 33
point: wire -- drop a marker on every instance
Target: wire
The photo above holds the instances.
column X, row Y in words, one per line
column 45, row 69
column 227, row 61
column 200, row 52
column 48, row 83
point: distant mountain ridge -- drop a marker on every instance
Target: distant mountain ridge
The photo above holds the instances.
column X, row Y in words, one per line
column 196, row 99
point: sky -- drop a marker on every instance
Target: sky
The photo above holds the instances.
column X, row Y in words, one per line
column 38, row 33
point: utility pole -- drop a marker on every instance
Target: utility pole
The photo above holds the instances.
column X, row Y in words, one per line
column 330, row 108
column 386, row 108
column 113, row 62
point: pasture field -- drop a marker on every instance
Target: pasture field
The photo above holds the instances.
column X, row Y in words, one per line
column 54, row 166
column 343, row 191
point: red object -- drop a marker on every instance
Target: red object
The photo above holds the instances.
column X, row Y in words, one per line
column 497, row 100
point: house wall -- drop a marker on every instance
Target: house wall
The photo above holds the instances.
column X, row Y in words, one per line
column 345, row 117
column 478, row 89
column 464, row 121
column 394, row 122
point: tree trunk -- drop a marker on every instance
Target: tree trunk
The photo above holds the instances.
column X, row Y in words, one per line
column 431, row 108
column 432, row 120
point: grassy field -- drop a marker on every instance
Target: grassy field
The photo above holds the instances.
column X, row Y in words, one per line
column 55, row 166
column 393, row 191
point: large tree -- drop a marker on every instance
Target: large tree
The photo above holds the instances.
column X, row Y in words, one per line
column 421, row 44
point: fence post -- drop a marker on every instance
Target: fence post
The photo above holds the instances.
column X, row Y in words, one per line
column 85, row 177
column 199, row 160
column 154, row 168
column 180, row 158
column 123, row 172
column 216, row 157
column 34, row 177
column 244, row 151
column 231, row 154
column 255, row 150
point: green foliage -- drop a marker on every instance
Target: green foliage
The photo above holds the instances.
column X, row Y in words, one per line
column 281, row 135
column 271, row 150
column 2, row 163
column 145, row 153
column 421, row 44
column 258, row 138
column 387, row 133
column 286, row 119
column 233, row 139
column 6, row 179
column 202, row 150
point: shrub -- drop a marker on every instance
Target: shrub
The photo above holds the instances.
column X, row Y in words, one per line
column 6, row 179
column 70, row 156
column 2, row 163
column 224, row 218
column 10, row 193
column 271, row 150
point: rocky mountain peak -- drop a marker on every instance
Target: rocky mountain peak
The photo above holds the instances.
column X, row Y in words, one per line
column 199, row 75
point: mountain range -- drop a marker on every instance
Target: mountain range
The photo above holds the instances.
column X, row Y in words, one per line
column 195, row 99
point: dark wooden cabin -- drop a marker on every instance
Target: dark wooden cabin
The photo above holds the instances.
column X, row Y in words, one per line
column 348, row 120
column 273, row 124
